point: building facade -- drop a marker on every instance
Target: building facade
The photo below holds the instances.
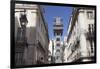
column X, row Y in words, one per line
column 80, row 39
column 31, row 35
column 65, row 49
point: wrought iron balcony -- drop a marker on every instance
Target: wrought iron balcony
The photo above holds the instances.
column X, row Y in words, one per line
column 90, row 33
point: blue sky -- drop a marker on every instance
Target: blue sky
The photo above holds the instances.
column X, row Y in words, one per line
column 53, row 11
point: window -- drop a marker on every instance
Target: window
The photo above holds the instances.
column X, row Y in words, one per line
column 58, row 50
column 58, row 39
column 57, row 57
column 91, row 36
column 57, row 44
column 90, row 28
column 91, row 45
column 58, row 34
column 90, row 15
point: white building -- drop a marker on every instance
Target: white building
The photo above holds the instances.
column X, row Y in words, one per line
column 35, row 35
column 65, row 50
column 50, row 59
column 80, row 39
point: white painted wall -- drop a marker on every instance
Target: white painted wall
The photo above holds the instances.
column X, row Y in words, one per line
column 82, row 23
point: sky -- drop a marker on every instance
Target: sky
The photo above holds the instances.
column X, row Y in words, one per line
column 53, row 11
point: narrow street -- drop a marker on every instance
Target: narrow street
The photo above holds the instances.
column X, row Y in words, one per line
column 46, row 34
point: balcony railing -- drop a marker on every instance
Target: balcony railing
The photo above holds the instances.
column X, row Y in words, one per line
column 90, row 35
column 58, row 28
